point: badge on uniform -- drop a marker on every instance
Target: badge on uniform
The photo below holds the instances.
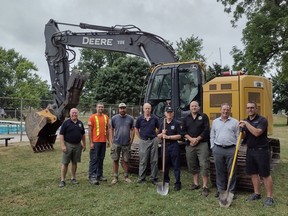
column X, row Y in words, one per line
column 172, row 127
column 200, row 118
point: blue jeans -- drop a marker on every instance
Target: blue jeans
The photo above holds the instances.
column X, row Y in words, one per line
column 97, row 156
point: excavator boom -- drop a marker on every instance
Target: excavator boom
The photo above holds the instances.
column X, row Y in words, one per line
column 41, row 126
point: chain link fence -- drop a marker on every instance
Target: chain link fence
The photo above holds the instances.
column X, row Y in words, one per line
column 13, row 112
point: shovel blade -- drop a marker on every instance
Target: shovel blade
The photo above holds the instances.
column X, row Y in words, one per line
column 163, row 188
column 225, row 199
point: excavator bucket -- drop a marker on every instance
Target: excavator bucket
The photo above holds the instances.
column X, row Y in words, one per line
column 41, row 129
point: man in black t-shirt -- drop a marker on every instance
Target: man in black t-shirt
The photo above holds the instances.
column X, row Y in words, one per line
column 196, row 130
column 258, row 156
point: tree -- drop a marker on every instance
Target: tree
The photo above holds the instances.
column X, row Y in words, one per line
column 17, row 80
column 265, row 35
column 215, row 70
column 190, row 49
column 114, row 77
column 280, row 93
column 123, row 82
column 92, row 61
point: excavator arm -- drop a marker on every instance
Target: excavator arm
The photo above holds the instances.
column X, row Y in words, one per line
column 41, row 127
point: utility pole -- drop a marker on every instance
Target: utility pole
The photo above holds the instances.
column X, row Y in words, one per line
column 220, row 57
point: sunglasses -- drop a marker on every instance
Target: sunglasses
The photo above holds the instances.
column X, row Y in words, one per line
column 250, row 107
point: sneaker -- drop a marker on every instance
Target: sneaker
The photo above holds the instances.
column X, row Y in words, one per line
column 114, row 181
column 177, row 187
column 62, row 184
column 102, row 178
column 205, row 191
column 194, row 187
column 217, row 194
column 253, row 197
column 93, row 181
column 74, row 181
column 141, row 181
column 127, row 180
column 268, row 202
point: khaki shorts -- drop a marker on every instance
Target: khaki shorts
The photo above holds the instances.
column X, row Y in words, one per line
column 198, row 158
column 117, row 149
column 74, row 152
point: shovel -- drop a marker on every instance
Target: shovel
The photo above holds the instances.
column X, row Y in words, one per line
column 225, row 199
column 163, row 187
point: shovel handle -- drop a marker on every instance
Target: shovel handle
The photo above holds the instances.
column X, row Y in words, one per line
column 163, row 149
column 234, row 159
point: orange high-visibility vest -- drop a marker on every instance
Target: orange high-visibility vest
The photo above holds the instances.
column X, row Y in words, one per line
column 99, row 124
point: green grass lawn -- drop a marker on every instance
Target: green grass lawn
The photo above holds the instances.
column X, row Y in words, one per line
column 29, row 186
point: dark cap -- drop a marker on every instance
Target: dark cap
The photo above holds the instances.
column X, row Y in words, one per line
column 169, row 109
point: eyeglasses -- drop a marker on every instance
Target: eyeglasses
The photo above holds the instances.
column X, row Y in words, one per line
column 250, row 107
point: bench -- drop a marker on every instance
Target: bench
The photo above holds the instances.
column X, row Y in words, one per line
column 6, row 140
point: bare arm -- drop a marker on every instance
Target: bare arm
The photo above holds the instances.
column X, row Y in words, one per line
column 255, row 131
column 137, row 132
column 132, row 134
column 90, row 137
column 62, row 143
column 84, row 142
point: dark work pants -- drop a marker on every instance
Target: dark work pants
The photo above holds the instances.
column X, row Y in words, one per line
column 97, row 156
column 223, row 158
column 172, row 157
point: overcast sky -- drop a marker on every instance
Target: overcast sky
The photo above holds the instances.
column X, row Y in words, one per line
column 22, row 23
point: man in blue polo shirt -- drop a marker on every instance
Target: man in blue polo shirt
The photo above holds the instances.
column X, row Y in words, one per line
column 71, row 134
column 171, row 134
column 146, row 126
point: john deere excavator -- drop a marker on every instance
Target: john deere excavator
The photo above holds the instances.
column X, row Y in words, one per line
column 167, row 74
column 170, row 82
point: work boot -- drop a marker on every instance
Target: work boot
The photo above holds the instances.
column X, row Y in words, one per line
column 62, row 184
column 154, row 181
column 93, row 181
column 194, row 187
column 141, row 181
column 253, row 196
column 177, row 187
column 114, row 180
column 74, row 181
column 102, row 178
column 269, row 202
column 205, row 191
column 126, row 179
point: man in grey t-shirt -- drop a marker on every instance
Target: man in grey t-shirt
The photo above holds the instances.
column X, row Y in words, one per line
column 122, row 134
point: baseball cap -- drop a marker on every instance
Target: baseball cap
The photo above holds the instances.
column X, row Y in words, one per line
column 122, row 105
column 169, row 109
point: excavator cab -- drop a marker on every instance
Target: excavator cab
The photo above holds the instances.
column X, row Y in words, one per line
column 175, row 84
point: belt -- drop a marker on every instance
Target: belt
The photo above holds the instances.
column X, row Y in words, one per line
column 225, row 146
column 147, row 138
column 258, row 148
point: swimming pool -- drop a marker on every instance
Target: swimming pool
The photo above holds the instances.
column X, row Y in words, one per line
column 11, row 128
